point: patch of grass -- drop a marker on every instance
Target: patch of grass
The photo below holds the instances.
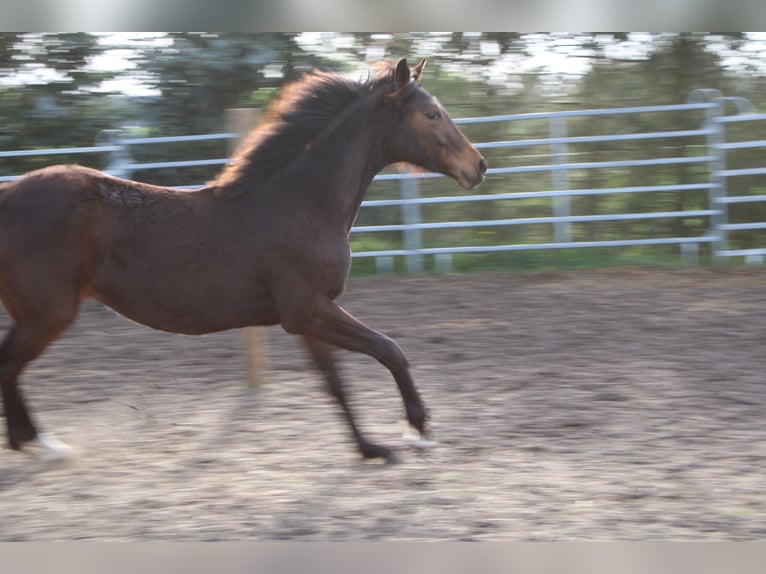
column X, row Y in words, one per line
column 538, row 260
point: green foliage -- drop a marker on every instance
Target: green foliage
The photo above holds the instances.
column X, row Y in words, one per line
column 198, row 76
column 46, row 97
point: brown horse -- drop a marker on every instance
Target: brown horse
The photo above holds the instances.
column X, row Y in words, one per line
column 264, row 243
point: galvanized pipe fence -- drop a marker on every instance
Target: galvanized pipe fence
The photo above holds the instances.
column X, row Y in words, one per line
column 707, row 156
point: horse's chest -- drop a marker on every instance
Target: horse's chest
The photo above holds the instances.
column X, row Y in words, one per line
column 331, row 258
column 324, row 260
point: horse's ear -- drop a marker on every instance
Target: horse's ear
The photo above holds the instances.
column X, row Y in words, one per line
column 402, row 73
column 417, row 71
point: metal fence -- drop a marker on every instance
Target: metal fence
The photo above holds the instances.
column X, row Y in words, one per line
column 555, row 177
column 710, row 155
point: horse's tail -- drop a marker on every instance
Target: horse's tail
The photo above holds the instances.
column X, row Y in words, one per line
column 4, row 185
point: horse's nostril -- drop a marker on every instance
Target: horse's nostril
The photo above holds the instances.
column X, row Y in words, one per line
column 483, row 165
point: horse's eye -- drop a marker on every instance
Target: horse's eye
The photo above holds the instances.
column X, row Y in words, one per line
column 433, row 115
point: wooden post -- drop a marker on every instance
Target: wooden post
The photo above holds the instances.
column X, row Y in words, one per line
column 241, row 121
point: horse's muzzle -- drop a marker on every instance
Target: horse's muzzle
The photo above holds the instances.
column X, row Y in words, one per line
column 469, row 180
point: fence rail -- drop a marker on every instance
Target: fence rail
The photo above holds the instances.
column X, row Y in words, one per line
column 708, row 156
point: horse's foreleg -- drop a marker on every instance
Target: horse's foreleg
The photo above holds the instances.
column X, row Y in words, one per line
column 326, row 321
column 322, row 354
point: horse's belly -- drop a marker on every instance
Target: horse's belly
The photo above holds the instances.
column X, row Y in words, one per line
column 185, row 303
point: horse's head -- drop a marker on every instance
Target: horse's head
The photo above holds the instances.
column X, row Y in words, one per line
column 426, row 136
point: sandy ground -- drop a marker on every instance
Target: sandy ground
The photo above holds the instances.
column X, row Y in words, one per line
column 620, row 404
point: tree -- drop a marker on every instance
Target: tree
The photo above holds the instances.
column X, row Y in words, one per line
column 47, row 94
column 200, row 75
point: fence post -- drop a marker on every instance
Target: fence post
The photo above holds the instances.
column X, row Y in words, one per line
column 562, row 230
column 718, row 189
column 241, row 121
column 119, row 158
column 717, row 164
column 413, row 237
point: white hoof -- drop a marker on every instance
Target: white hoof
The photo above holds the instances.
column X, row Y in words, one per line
column 48, row 448
column 413, row 438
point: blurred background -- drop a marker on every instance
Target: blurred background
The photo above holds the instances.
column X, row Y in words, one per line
column 60, row 89
column 63, row 90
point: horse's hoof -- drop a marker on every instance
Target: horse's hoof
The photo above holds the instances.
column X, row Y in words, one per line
column 48, row 449
column 392, row 458
column 376, row 452
column 413, row 438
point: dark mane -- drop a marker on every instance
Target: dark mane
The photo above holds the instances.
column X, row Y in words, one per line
column 302, row 113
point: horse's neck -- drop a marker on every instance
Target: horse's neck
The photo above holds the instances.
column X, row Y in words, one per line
column 351, row 166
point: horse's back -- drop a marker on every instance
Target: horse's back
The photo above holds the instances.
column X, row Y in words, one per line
column 48, row 194
column 47, row 208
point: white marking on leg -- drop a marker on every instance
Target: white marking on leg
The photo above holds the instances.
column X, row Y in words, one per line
column 413, row 437
column 48, row 448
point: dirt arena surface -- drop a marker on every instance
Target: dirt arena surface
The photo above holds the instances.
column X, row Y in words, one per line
column 618, row 404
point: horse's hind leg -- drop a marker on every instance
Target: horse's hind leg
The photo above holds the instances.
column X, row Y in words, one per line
column 323, row 357
column 22, row 344
column 20, row 426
